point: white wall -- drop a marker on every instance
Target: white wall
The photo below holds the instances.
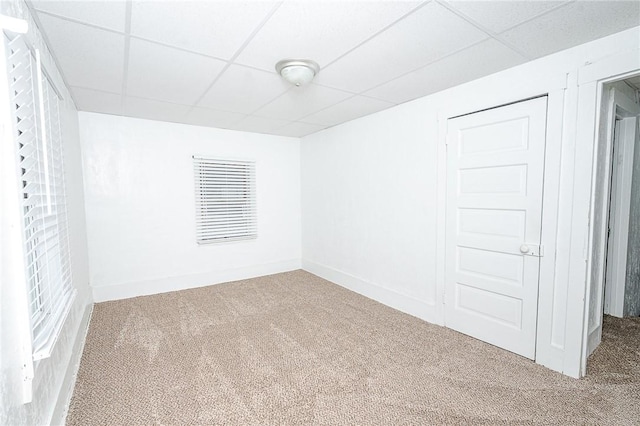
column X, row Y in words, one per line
column 373, row 204
column 369, row 205
column 53, row 377
column 140, row 202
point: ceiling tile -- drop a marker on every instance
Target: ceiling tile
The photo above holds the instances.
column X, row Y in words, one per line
column 95, row 101
column 301, row 101
column 212, row 117
column 89, row 57
column 487, row 57
column 498, row 16
column 108, row 14
column 299, row 129
column 259, row 124
column 425, row 36
column 346, row 110
column 167, row 74
column 573, row 24
column 217, row 28
column 242, row 89
column 319, row 30
column 154, row 110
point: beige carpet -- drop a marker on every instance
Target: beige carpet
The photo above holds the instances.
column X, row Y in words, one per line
column 293, row 349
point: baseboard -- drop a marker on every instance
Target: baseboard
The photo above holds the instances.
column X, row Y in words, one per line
column 402, row 302
column 164, row 285
column 66, row 391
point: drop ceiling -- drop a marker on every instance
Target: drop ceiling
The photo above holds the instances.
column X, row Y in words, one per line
column 211, row 63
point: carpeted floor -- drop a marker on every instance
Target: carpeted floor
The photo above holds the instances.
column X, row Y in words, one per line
column 293, row 349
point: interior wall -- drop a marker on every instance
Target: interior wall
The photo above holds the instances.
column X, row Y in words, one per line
column 53, row 377
column 370, row 202
column 140, row 202
column 369, row 191
column 632, row 283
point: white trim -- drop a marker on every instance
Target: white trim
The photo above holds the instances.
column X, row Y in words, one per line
column 557, row 326
column 61, row 407
column 549, row 345
column 164, row 285
column 612, row 68
column 402, row 302
column 441, row 217
column 606, row 184
column 501, row 99
column 13, row 261
column 581, row 231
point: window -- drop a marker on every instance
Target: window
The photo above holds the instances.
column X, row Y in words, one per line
column 225, row 200
column 36, row 124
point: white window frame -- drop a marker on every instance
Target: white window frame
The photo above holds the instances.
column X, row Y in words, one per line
column 225, row 200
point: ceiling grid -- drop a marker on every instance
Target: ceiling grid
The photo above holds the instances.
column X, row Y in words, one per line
column 211, row 63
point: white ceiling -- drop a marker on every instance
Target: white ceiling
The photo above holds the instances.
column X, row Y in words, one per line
column 211, row 63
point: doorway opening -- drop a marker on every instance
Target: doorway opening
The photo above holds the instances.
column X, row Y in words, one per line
column 614, row 321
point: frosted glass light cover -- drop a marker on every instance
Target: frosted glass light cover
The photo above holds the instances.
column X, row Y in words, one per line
column 298, row 74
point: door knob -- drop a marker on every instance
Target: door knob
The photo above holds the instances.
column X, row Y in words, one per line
column 524, row 248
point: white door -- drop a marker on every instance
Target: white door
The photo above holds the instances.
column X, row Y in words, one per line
column 495, row 164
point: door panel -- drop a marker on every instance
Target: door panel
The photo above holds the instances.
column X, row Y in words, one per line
column 493, row 180
column 495, row 268
column 494, row 307
column 495, row 164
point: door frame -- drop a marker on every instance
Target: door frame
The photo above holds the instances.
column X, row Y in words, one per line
column 624, row 109
column 591, row 80
column 606, row 203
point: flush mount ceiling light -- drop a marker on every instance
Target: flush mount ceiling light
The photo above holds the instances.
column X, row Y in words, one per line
column 297, row 71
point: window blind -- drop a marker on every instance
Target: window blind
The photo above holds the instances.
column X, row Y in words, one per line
column 35, row 107
column 225, row 200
